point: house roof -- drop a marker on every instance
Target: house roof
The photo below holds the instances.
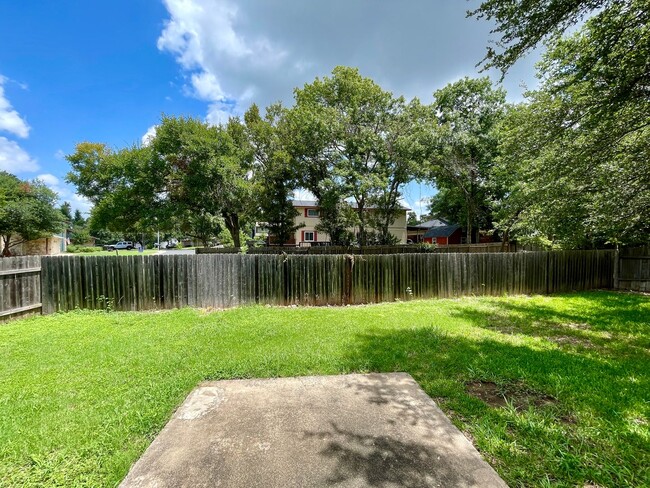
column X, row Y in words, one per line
column 314, row 203
column 441, row 231
column 429, row 223
column 304, row 203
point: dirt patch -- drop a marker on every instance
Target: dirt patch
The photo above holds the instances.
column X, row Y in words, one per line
column 515, row 393
column 486, row 391
column 577, row 326
column 571, row 340
column 569, row 419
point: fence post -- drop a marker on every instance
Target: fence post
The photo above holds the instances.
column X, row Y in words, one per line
column 256, row 264
column 347, row 279
column 617, row 263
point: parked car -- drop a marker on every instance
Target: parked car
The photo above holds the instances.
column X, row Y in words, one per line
column 128, row 245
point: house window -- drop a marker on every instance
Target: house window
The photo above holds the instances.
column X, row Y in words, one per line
column 309, row 236
column 312, row 212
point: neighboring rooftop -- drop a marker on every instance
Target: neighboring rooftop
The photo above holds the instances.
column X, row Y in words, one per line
column 429, row 223
column 314, row 204
column 441, row 231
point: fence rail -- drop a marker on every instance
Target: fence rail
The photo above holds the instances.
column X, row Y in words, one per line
column 227, row 280
column 479, row 248
column 20, row 286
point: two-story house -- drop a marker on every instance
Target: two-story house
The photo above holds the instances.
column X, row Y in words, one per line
column 309, row 217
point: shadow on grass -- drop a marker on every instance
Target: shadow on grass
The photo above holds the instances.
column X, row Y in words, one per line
column 596, row 432
column 608, row 320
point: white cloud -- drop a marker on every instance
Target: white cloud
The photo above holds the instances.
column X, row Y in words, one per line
column 14, row 158
column 49, row 179
column 206, row 87
column 259, row 51
column 302, row 194
column 218, row 114
column 65, row 192
column 203, row 37
column 149, row 135
column 200, row 30
column 59, row 154
column 10, row 119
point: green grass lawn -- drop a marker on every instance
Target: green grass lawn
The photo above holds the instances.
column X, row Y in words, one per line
column 83, row 394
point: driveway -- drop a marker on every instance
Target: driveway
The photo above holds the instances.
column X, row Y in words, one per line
column 377, row 430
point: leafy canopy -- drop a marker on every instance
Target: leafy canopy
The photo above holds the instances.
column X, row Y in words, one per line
column 27, row 211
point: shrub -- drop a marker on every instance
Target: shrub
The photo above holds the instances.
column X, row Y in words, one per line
column 79, row 249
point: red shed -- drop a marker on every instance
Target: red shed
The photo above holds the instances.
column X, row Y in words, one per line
column 444, row 235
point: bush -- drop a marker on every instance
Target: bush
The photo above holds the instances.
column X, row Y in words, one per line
column 79, row 249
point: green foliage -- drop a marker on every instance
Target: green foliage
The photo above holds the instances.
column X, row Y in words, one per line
column 78, row 220
column 27, row 211
column 337, row 217
column 66, row 210
column 190, row 173
column 72, row 248
column 576, row 156
column 86, row 392
column 125, row 187
column 275, row 171
column 80, row 235
column 104, row 236
column 351, row 139
column 465, row 144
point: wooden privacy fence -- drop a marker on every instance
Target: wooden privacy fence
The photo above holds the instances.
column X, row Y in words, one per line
column 226, row 280
column 483, row 247
column 20, row 286
column 633, row 271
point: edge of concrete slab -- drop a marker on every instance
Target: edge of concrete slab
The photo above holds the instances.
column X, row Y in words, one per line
column 356, row 430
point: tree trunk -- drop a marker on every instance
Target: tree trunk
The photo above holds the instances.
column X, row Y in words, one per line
column 5, row 246
column 232, row 224
column 506, row 240
column 362, row 223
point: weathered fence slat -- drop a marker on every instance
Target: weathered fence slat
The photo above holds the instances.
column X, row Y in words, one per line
column 20, row 285
column 226, row 280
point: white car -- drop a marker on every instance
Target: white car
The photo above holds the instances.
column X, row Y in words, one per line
column 128, row 245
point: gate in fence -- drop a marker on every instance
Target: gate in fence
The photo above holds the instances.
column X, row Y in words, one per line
column 20, row 286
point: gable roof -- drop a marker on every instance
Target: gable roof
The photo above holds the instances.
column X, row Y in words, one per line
column 314, row 204
column 430, row 223
column 441, row 231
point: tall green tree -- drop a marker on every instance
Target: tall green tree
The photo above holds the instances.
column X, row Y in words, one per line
column 27, row 211
column 576, row 155
column 189, row 169
column 275, row 173
column 127, row 187
column 349, row 142
column 78, row 219
column 66, row 210
column 207, row 172
column 467, row 114
column 610, row 53
column 412, row 218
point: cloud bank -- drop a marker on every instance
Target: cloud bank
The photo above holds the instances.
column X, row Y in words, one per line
column 232, row 54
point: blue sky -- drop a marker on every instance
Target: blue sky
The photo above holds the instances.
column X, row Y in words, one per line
column 101, row 71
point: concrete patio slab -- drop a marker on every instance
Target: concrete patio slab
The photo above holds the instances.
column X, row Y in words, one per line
column 376, row 430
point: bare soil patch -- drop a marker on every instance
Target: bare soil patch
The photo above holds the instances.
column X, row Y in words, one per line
column 515, row 393
column 571, row 340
